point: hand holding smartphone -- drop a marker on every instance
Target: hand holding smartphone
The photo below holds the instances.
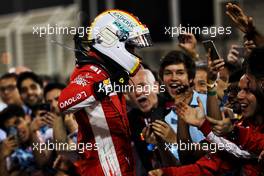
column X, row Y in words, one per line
column 210, row 47
column 12, row 132
column 44, row 107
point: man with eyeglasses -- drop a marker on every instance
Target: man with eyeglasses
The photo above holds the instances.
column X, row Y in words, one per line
column 8, row 89
column 9, row 94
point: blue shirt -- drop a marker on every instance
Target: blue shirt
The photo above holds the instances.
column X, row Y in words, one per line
column 195, row 133
column 2, row 135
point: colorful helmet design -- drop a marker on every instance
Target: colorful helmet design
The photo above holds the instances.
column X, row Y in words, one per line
column 113, row 32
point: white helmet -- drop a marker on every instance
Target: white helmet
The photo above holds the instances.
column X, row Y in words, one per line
column 111, row 32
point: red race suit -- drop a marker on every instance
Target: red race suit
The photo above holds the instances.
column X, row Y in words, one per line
column 101, row 124
column 220, row 163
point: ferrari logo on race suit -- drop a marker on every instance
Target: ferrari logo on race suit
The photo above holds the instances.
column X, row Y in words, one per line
column 82, row 80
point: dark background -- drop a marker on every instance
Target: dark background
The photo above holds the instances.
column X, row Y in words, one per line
column 193, row 13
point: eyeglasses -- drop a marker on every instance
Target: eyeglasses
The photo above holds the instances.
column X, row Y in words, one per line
column 8, row 88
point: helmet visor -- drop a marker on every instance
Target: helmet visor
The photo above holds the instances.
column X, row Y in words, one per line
column 140, row 41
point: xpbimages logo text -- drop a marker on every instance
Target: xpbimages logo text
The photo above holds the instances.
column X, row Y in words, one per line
column 190, row 146
column 107, row 87
column 57, row 29
column 212, row 31
column 64, row 146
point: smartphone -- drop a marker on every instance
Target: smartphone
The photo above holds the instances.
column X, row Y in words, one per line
column 44, row 107
column 209, row 45
column 12, row 131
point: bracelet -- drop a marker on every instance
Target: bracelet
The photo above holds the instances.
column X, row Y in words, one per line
column 211, row 93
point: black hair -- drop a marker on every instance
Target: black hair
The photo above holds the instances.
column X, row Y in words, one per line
column 202, row 67
column 178, row 57
column 230, row 67
column 236, row 75
column 9, row 112
column 255, row 63
column 259, row 94
column 51, row 86
column 28, row 75
column 8, row 76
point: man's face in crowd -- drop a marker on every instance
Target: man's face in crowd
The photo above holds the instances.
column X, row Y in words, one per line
column 31, row 92
column 175, row 75
column 222, row 82
column 147, row 99
column 9, row 92
column 22, row 126
column 52, row 98
column 200, row 81
column 246, row 98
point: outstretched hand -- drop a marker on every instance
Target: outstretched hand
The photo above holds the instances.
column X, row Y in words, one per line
column 192, row 116
column 237, row 15
column 223, row 126
column 189, row 42
column 163, row 130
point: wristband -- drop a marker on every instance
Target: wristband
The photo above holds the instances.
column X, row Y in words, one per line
column 211, row 93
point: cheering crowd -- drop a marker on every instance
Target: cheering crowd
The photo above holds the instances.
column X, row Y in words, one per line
column 190, row 118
